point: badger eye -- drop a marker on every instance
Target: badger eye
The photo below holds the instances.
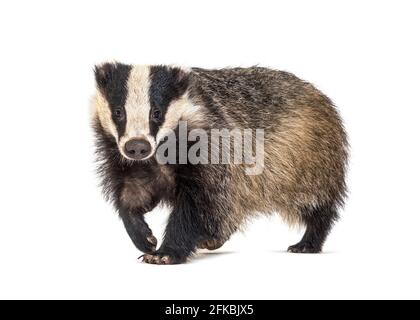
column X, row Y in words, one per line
column 118, row 113
column 156, row 114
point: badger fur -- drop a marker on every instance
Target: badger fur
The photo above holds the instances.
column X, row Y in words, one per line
column 305, row 154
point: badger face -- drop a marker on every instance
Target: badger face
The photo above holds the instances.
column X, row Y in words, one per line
column 137, row 104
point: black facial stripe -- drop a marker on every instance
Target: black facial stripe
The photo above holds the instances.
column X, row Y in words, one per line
column 111, row 79
column 166, row 85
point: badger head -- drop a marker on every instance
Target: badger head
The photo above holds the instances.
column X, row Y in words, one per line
column 137, row 104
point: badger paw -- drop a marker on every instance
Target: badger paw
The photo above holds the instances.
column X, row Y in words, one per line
column 160, row 258
column 211, row 244
column 147, row 244
column 304, row 247
column 152, row 243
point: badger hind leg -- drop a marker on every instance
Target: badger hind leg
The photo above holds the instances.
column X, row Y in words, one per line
column 318, row 222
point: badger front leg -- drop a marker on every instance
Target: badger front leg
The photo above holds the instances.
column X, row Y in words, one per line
column 198, row 214
column 138, row 230
column 182, row 235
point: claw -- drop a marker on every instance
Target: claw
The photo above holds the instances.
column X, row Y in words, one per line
column 157, row 259
column 152, row 240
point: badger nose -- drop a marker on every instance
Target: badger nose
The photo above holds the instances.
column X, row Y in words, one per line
column 137, row 149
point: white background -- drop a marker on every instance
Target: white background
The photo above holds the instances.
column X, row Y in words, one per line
column 59, row 239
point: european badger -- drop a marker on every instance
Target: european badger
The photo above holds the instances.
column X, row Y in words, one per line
column 305, row 154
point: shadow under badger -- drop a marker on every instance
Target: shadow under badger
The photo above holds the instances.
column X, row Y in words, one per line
column 305, row 154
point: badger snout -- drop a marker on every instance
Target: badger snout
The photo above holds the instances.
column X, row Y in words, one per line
column 137, row 149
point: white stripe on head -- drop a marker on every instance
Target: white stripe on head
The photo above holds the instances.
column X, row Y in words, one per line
column 137, row 107
column 101, row 110
column 182, row 109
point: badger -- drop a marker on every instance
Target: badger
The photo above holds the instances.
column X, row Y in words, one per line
column 305, row 154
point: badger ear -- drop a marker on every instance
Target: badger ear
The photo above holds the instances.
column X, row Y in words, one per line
column 181, row 80
column 103, row 75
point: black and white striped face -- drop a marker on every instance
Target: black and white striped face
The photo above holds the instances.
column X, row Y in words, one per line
column 138, row 104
